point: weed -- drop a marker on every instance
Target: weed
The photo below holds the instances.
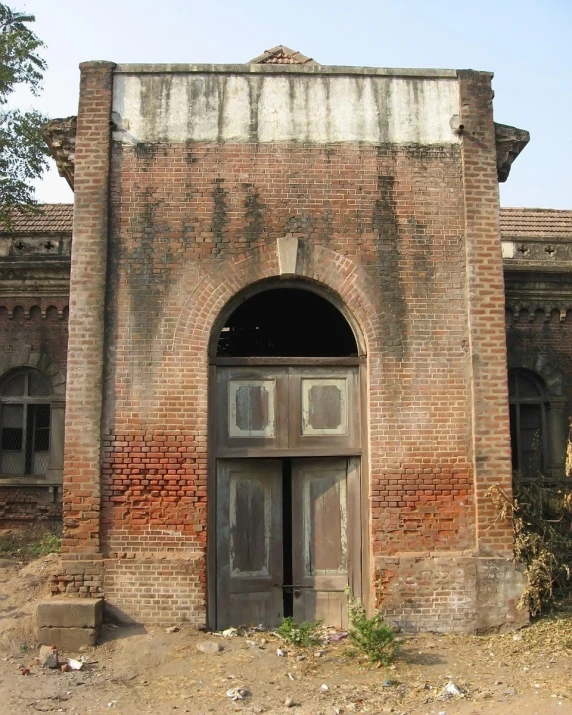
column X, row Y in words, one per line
column 49, row 543
column 372, row 636
column 301, row 635
column 29, row 544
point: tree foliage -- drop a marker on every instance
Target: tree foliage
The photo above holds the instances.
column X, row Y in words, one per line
column 23, row 153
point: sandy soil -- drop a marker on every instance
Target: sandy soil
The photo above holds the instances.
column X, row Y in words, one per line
column 136, row 670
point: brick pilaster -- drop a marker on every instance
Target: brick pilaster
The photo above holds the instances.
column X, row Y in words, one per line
column 485, row 305
column 82, row 495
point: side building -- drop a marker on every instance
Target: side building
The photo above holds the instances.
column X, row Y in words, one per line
column 537, row 257
column 34, row 300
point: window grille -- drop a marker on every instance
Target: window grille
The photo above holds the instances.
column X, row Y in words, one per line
column 25, row 420
column 528, row 424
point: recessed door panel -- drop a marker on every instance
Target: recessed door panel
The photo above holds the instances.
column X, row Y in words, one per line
column 324, row 410
column 252, row 410
column 249, row 542
column 320, row 540
column 289, row 410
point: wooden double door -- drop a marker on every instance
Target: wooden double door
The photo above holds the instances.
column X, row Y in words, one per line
column 287, row 498
column 287, row 539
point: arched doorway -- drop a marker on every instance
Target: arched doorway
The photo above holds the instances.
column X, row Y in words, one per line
column 285, row 527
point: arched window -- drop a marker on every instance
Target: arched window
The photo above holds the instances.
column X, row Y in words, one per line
column 25, row 423
column 286, row 322
column 528, row 423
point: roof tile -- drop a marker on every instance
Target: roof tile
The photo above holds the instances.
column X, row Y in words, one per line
column 535, row 223
column 48, row 218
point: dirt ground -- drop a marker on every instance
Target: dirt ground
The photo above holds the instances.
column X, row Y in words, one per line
column 136, row 670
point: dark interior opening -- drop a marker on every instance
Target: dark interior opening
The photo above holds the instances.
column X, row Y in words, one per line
column 286, row 322
column 288, row 593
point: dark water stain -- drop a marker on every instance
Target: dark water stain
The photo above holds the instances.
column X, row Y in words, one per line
column 190, row 158
column 420, row 252
column 146, row 150
column 385, row 224
column 254, row 215
column 221, row 105
column 254, row 92
column 219, row 215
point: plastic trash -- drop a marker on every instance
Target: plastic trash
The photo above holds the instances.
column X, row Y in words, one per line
column 236, row 693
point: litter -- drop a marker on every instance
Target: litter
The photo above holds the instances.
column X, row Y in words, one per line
column 236, row 694
column 75, row 664
column 280, row 653
column 452, row 690
column 337, row 637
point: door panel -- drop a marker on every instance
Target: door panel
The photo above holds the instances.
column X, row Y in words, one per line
column 252, row 409
column 289, row 410
column 324, row 409
column 320, row 540
column 249, row 542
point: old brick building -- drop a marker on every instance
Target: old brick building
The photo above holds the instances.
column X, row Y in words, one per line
column 34, row 290
column 287, row 360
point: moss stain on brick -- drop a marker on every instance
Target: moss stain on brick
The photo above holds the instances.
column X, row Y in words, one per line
column 219, row 214
column 254, row 214
column 385, row 223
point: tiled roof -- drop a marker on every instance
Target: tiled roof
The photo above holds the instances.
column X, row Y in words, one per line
column 282, row 55
column 536, row 223
column 532, row 223
column 48, row 218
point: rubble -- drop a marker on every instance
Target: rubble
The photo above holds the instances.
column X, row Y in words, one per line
column 209, row 647
column 48, row 656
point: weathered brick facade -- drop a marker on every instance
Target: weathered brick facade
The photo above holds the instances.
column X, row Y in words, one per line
column 34, row 285
column 392, row 194
column 537, row 246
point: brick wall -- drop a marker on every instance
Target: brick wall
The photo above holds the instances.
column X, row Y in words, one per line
column 81, row 555
column 20, row 506
column 406, row 236
column 487, row 341
column 542, row 336
column 188, row 232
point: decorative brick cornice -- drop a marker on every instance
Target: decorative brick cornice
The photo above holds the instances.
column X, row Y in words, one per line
column 509, row 142
column 59, row 135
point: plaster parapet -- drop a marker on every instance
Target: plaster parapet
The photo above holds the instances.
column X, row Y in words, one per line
column 277, row 107
column 130, row 68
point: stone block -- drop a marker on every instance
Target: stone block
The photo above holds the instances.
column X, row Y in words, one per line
column 67, row 639
column 70, row 613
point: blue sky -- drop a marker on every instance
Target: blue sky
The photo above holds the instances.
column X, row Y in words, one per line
column 526, row 43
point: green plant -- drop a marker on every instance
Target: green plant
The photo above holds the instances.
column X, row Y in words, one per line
column 49, row 543
column 301, row 635
column 23, row 151
column 29, row 544
column 372, row 636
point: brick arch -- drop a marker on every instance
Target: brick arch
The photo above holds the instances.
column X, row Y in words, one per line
column 24, row 357
column 324, row 267
column 552, row 377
